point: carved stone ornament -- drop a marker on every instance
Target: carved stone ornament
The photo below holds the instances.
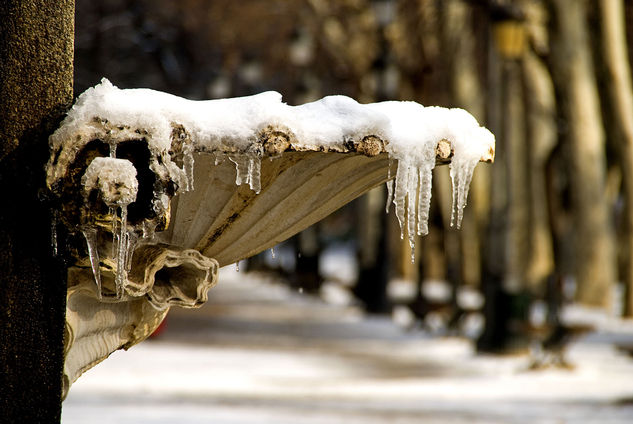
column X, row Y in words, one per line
column 157, row 192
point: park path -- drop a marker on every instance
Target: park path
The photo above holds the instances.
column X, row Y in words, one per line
column 259, row 352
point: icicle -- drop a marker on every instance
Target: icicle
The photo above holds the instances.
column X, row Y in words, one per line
column 54, row 233
column 115, row 231
column 148, row 231
column 424, row 197
column 237, row 266
column 272, row 252
column 90, row 234
column 188, row 166
column 389, row 195
column 241, row 168
column 412, row 187
column 461, row 176
column 254, row 174
column 112, row 149
column 121, row 255
column 402, row 176
column 132, row 242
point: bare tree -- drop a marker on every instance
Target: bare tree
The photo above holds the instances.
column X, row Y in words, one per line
column 573, row 73
column 620, row 96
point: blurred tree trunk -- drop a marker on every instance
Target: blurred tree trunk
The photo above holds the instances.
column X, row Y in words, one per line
column 620, row 96
column 542, row 136
column 36, row 74
column 573, row 72
column 308, row 246
column 373, row 264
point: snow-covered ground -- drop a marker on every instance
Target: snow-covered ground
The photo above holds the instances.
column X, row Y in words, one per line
column 261, row 353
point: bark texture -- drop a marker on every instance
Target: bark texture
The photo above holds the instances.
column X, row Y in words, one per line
column 36, row 73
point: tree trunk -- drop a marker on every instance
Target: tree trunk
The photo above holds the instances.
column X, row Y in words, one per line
column 542, row 136
column 373, row 264
column 574, row 74
column 620, row 96
column 36, row 54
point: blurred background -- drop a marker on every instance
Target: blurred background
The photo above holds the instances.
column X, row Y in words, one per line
column 548, row 227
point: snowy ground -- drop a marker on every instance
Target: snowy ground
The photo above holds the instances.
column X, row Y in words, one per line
column 259, row 353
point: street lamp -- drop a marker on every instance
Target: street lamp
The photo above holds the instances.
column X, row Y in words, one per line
column 508, row 29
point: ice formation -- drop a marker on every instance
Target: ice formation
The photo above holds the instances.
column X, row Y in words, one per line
column 115, row 180
column 231, row 128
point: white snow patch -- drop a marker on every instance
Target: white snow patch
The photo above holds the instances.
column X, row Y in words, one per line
column 114, row 178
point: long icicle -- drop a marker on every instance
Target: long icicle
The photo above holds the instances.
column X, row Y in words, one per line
column 461, row 176
column 121, row 254
column 412, row 185
column 254, row 174
column 424, row 198
column 389, row 195
column 90, row 234
column 115, row 230
column 400, row 192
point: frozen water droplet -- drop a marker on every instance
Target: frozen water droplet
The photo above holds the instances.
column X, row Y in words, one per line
column 237, row 266
column 90, row 234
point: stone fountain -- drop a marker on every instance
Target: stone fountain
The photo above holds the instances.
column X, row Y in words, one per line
column 158, row 192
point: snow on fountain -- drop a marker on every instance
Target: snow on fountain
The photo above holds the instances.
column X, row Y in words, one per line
column 230, row 127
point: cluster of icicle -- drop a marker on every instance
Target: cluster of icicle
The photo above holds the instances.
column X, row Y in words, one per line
column 247, row 170
column 115, row 179
column 410, row 192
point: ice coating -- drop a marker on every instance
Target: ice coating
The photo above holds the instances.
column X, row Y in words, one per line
column 231, row 127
